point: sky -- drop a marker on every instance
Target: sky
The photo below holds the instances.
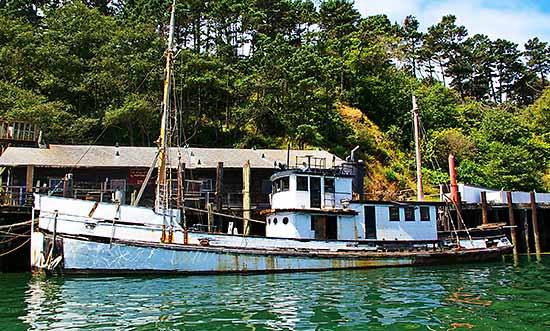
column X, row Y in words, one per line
column 514, row 20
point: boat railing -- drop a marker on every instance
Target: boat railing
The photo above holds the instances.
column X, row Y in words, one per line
column 17, row 196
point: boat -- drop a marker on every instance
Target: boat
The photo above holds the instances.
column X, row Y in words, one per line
column 315, row 222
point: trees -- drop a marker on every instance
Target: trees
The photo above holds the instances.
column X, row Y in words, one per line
column 537, row 54
column 267, row 72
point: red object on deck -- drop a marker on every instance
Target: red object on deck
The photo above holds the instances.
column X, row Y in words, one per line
column 452, row 174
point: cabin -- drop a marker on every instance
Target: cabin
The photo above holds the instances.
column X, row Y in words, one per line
column 311, row 203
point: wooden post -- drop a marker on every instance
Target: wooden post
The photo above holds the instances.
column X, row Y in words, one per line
column 219, row 186
column 219, row 193
column 210, row 208
column 534, row 220
column 68, row 186
column 246, row 197
column 512, row 221
column 484, row 212
column 29, row 185
column 30, row 178
column 526, row 231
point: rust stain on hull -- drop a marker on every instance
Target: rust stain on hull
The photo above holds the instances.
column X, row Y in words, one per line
column 178, row 258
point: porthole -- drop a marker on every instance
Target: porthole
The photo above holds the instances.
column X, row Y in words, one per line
column 285, row 220
column 275, row 221
column 268, row 221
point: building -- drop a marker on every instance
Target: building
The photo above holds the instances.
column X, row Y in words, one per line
column 98, row 171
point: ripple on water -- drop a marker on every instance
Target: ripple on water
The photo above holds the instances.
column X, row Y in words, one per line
column 496, row 296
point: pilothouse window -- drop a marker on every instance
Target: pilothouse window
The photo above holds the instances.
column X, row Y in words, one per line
column 302, row 183
column 281, row 184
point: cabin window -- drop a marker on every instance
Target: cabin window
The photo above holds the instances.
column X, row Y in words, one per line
column 312, row 223
column 425, row 214
column 285, row 220
column 206, row 185
column 302, row 183
column 275, row 221
column 329, row 185
column 394, row 214
column 268, row 221
column 409, row 214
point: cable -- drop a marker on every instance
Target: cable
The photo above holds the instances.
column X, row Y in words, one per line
column 15, row 225
column 16, row 248
column 80, row 159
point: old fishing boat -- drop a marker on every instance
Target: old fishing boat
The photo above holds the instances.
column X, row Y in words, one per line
column 314, row 223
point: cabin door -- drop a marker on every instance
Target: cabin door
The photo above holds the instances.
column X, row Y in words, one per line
column 325, row 227
column 315, row 192
column 370, row 222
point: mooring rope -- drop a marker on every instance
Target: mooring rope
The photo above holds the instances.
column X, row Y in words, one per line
column 15, row 225
column 14, row 236
column 16, row 248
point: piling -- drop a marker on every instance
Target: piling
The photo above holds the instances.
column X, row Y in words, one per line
column 246, row 197
column 30, row 178
column 219, row 194
column 512, row 222
column 484, row 212
column 459, row 225
column 534, row 220
column 210, row 208
column 29, row 185
column 219, row 186
column 526, row 231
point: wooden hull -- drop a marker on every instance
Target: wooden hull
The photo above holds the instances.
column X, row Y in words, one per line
column 86, row 255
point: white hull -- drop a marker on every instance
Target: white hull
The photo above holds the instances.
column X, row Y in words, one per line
column 84, row 256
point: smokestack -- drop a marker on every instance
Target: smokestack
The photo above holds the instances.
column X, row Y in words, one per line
column 358, row 180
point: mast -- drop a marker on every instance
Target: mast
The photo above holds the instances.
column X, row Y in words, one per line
column 161, row 190
column 419, row 188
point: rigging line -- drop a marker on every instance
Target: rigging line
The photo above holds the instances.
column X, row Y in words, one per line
column 81, row 157
column 7, row 233
column 433, row 160
column 16, row 248
column 146, row 75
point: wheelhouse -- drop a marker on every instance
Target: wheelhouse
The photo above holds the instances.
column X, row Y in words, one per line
column 309, row 204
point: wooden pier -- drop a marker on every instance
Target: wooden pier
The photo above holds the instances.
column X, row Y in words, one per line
column 526, row 222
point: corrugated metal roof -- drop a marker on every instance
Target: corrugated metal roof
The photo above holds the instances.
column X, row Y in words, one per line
column 80, row 156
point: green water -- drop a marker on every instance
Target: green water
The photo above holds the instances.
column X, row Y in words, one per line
column 511, row 297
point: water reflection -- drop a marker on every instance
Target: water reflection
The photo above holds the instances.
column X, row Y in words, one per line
column 346, row 300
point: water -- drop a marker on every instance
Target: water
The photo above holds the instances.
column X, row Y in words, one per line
column 496, row 296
